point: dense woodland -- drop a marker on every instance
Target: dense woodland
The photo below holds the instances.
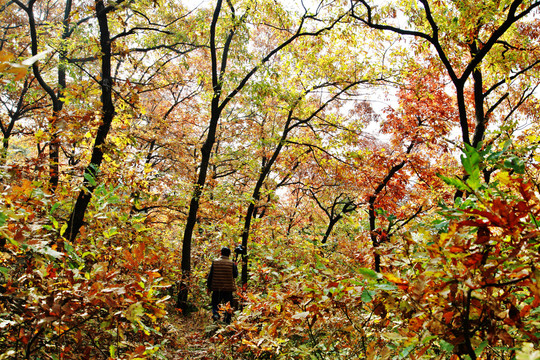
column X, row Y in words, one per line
column 378, row 162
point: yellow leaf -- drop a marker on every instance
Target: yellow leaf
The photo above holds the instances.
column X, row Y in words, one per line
column 394, row 279
column 503, row 177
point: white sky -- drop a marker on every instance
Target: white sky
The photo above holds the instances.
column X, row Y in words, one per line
column 288, row 4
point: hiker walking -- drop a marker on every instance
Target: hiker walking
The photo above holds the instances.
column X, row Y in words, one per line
column 221, row 282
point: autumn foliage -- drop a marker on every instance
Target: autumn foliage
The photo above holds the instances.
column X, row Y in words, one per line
column 378, row 162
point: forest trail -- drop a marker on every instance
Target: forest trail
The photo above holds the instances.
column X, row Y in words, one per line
column 192, row 336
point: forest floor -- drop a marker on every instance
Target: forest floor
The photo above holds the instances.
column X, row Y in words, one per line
column 193, row 336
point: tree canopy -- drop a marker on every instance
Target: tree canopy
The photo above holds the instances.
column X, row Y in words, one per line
column 376, row 161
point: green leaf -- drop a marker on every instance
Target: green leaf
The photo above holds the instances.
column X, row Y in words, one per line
column 466, row 164
column 385, row 287
column 91, row 180
column 471, row 161
column 88, row 253
column 369, row 274
column 319, row 265
column 446, row 346
column 112, row 351
column 110, row 232
column 405, row 352
column 54, row 207
column 515, row 163
column 428, row 339
column 474, row 180
column 458, row 184
column 367, row 296
column 481, row 347
column 68, row 247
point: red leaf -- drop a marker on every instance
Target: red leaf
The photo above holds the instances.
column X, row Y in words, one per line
column 473, row 260
column 332, row 284
column 448, row 317
column 483, row 235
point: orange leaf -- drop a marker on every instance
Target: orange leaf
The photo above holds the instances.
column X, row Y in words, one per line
column 394, row 279
column 422, row 351
column 332, row 284
column 457, row 249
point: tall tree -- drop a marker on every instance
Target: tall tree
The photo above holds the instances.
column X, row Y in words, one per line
column 55, row 93
column 123, row 76
column 225, row 90
column 107, row 114
column 469, row 40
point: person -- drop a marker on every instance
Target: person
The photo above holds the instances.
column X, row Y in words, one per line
column 220, row 282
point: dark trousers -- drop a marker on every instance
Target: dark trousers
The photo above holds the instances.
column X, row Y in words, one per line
column 221, row 297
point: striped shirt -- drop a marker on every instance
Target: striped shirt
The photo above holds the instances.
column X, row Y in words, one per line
column 222, row 274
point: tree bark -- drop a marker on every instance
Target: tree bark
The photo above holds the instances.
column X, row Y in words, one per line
column 206, row 152
column 56, row 98
column 348, row 207
column 107, row 114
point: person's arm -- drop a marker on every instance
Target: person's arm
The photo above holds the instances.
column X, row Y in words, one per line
column 234, row 270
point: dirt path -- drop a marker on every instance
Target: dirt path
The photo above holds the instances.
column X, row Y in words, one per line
column 192, row 337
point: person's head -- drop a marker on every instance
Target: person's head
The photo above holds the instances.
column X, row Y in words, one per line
column 225, row 251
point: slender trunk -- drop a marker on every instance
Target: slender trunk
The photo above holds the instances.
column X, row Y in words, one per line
column 191, row 221
column 480, row 129
column 372, row 227
column 462, row 111
column 245, row 237
column 206, row 152
column 54, row 152
column 256, row 195
column 6, row 132
column 330, row 227
column 192, row 215
column 56, row 99
column 58, row 104
column 5, row 146
column 372, row 213
column 107, row 114
column 467, row 327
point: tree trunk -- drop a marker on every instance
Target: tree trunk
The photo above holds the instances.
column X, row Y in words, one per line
column 329, row 229
column 56, row 99
column 107, row 114
column 206, row 152
column 372, row 214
